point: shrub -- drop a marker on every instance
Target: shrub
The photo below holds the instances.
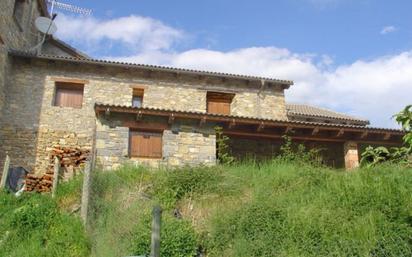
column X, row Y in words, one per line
column 178, row 238
column 171, row 186
column 36, row 227
column 320, row 213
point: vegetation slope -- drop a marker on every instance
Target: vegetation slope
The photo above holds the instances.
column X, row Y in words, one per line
column 278, row 208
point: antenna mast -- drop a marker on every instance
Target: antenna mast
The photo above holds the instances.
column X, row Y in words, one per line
column 68, row 7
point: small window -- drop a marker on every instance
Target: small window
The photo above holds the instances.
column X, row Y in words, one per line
column 137, row 99
column 145, row 144
column 18, row 11
column 219, row 103
column 69, row 95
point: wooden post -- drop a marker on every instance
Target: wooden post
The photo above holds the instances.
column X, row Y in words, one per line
column 55, row 175
column 157, row 217
column 86, row 192
column 5, row 173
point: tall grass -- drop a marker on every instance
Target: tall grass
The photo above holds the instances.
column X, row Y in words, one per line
column 277, row 208
column 34, row 225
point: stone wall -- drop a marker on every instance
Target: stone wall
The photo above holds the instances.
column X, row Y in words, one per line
column 31, row 89
column 183, row 144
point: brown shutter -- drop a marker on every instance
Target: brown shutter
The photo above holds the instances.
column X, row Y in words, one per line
column 145, row 144
column 69, row 95
column 218, row 106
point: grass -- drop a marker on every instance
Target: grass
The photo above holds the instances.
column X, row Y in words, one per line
column 35, row 225
column 276, row 208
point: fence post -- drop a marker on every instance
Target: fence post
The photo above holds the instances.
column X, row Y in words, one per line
column 55, row 175
column 157, row 217
column 5, row 173
column 86, row 192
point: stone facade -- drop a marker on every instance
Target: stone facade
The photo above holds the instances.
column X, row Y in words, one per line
column 183, row 144
column 29, row 108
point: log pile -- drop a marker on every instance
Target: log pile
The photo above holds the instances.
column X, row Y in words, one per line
column 71, row 160
column 39, row 184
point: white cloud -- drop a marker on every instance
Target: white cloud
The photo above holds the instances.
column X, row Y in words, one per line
column 136, row 32
column 374, row 89
column 388, row 29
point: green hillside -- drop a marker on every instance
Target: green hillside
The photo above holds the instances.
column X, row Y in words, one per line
column 272, row 209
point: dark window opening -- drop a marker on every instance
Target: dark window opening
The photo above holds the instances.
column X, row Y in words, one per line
column 69, row 95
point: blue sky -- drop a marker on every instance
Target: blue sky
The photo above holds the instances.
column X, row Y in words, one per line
column 347, row 55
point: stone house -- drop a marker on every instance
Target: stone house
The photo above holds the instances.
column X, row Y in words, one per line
column 151, row 115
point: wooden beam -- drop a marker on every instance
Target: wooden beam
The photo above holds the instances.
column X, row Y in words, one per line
column 300, row 138
column 288, row 130
column 387, row 136
column 232, row 124
column 202, row 121
column 139, row 116
column 315, row 131
column 171, row 119
column 151, row 126
column 138, row 86
column 340, row 133
column 364, row 134
column 288, row 126
column 261, row 126
column 69, row 80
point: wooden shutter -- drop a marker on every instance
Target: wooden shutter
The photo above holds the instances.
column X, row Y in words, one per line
column 219, row 103
column 145, row 144
column 218, row 106
column 69, row 95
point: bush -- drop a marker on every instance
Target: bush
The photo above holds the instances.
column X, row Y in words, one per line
column 35, row 226
column 171, row 186
column 178, row 238
column 315, row 212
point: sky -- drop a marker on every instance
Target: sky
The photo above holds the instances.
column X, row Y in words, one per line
column 351, row 56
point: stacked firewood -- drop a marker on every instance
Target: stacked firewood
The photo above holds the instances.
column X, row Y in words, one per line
column 39, row 183
column 71, row 159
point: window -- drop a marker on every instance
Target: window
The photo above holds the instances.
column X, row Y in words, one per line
column 137, row 99
column 18, row 11
column 69, row 95
column 145, row 144
column 219, row 103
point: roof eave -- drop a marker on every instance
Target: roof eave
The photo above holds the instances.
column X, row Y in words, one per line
column 283, row 83
column 99, row 107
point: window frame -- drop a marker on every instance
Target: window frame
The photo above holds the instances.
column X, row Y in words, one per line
column 131, row 152
column 68, row 86
column 138, row 92
column 225, row 99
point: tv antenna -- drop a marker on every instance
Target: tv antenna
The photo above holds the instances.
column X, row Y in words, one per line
column 68, row 7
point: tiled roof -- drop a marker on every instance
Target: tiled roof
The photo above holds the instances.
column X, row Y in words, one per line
column 312, row 111
column 285, row 83
column 245, row 118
